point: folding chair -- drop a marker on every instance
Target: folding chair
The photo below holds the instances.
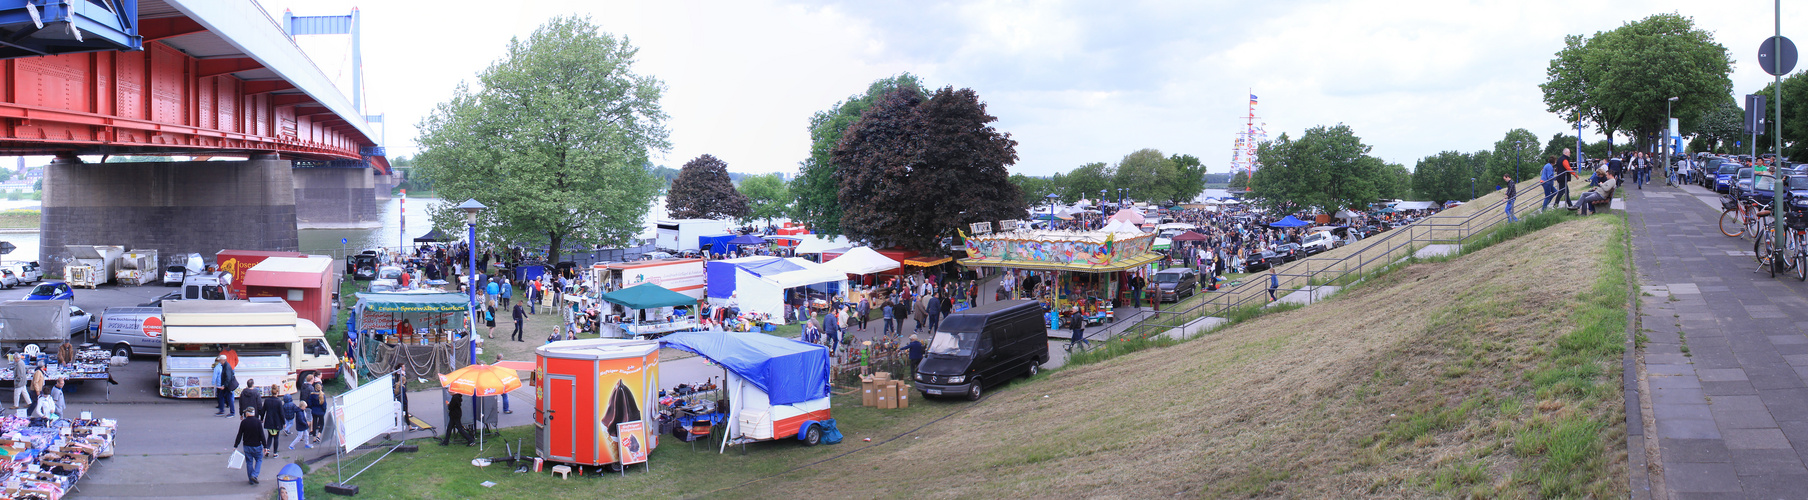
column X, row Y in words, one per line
column 700, row 429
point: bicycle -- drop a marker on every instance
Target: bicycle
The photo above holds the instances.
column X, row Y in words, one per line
column 1741, row 216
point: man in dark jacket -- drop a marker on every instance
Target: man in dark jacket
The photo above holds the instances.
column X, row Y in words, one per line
column 1512, row 191
column 455, row 422
column 915, row 349
column 251, row 436
column 272, row 412
column 224, row 383
column 520, row 316
column 935, row 312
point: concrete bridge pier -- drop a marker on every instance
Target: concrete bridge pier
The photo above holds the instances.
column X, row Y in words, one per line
column 337, row 198
column 173, row 207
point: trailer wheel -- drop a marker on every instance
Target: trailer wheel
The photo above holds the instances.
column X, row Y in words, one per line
column 813, row 436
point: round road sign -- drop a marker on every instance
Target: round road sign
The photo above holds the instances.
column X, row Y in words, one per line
column 1769, row 63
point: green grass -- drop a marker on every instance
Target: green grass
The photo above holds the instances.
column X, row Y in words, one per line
column 20, row 219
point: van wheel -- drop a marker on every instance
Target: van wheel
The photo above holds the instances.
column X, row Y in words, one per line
column 122, row 351
column 973, row 395
column 813, row 436
column 1035, row 367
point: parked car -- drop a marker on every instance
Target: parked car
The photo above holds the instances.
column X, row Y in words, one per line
column 1290, row 251
column 1262, row 261
column 1318, row 242
column 79, row 321
column 1724, row 177
column 8, row 279
column 28, row 272
column 1177, row 283
column 984, row 346
column 1742, row 183
column 172, row 275
column 123, row 331
column 51, row 291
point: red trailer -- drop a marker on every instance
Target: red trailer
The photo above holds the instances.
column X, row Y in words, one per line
column 238, row 262
column 306, row 283
column 586, row 390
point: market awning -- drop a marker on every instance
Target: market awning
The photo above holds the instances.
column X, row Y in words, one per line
column 1128, row 263
column 862, row 260
column 788, row 370
column 267, row 334
column 413, row 302
column 1189, row 236
column 816, row 243
column 648, row 296
column 927, row 261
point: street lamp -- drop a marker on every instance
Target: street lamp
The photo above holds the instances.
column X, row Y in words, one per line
column 1471, row 188
column 1667, row 151
column 1051, row 209
column 1516, row 160
column 471, row 207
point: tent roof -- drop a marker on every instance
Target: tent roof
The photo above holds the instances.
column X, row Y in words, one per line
column 1118, row 226
column 815, row 243
column 432, row 236
column 1129, row 215
column 1189, row 236
column 1289, row 221
column 648, row 296
column 747, row 239
column 787, row 272
column 413, row 302
column 290, row 272
column 788, row 370
column 862, row 260
column 1415, row 205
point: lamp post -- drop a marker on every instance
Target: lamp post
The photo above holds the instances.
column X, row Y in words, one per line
column 1516, row 161
column 471, row 207
column 1667, row 150
column 1471, row 188
column 1051, row 209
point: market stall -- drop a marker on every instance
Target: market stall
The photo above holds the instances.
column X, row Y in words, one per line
column 421, row 332
column 595, row 401
column 648, row 310
column 859, row 261
column 762, row 288
column 91, row 362
column 1084, row 268
column 44, row 459
column 777, row 388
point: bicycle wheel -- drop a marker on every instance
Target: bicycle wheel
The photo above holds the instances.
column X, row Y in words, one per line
column 1763, row 249
column 1800, row 259
column 1731, row 224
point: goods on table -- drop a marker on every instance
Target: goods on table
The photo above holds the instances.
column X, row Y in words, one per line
column 91, row 363
column 45, row 461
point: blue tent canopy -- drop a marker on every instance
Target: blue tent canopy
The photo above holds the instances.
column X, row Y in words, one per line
column 789, row 371
column 1289, row 221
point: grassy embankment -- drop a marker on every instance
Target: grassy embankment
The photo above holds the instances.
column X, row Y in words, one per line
column 1489, row 375
column 19, row 219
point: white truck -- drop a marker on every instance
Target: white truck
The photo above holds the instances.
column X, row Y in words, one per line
column 680, row 235
column 266, row 340
column 138, row 267
column 93, row 265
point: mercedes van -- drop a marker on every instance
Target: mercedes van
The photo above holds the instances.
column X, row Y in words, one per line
column 983, row 346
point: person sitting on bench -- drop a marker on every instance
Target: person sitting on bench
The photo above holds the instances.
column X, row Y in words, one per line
column 1601, row 193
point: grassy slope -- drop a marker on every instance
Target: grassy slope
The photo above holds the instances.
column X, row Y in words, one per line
column 1491, row 375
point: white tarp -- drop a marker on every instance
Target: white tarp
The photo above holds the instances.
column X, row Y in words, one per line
column 1415, row 205
column 811, row 274
column 862, row 260
column 813, row 243
column 1118, row 226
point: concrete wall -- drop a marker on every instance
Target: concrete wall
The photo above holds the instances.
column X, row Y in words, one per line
column 384, row 184
column 173, row 207
column 336, row 198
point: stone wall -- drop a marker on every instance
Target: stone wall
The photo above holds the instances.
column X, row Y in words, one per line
column 336, row 198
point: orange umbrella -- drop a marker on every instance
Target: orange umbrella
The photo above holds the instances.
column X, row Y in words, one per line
column 481, row 380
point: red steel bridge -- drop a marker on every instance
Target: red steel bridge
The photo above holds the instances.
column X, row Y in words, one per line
column 168, row 77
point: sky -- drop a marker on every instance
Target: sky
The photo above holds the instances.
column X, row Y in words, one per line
column 1072, row 82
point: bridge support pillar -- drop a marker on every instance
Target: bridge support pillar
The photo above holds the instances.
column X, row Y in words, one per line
column 172, row 207
column 385, row 184
column 336, row 198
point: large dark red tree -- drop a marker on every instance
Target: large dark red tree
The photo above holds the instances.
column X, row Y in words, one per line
column 914, row 168
column 703, row 191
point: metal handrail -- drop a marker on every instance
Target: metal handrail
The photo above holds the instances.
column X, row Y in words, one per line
column 1420, row 231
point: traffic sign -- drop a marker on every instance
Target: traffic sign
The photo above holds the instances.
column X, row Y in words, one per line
column 7, row 247
column 1769, row 63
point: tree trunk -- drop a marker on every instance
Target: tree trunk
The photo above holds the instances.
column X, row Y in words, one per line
column 552, row 252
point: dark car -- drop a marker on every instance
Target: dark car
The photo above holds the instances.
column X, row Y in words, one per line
column 1290, row 251
column 1176, row 283
column 51, row 291
column 984, row 346
column 1723, row 177
column 1742, row 181
column 1262, row 261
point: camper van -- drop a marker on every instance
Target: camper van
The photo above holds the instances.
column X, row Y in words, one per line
column 984, row 346
column 270, row 344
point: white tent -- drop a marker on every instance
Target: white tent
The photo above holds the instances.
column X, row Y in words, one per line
column 1415, row 205
column 1118, row 226
column 1129, row 215
column 814, row 243
column 1177, row 225
column 1346, row 214
column 862, row 260
column 758, row 283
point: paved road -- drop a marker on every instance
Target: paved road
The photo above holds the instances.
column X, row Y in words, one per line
column 1726, row 357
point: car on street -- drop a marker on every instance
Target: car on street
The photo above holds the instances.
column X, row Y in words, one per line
column 1742, row 182
column 1290, row 251
column 51, row 291
column 1724, row 177
column 27, row 272
column 1177, row 283
column 79, row 321
column 172, row 275
column 8, row 279
column 1318, row 242
column 1262, row 261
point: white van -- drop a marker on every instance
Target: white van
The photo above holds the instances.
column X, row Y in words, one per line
column 272, row 346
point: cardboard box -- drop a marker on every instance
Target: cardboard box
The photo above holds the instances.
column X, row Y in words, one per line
column 881, row 376
column 904, row 395
column 868, row 396
column 888, row 395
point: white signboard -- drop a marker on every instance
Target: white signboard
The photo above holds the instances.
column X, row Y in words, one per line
column 366, row 412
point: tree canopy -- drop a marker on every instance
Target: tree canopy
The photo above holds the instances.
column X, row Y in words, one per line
column 767, row 196
column 555, row 141
column 817, row 186
column 1795, row 122
column 1513, row 159
column 1620, row 80
column 703, row 191
column 1147, row 173
column 1327, row 168
column 914, row 168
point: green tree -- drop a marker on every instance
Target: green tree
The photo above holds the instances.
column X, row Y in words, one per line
column 916, row 167
column 1720, row 124
column 1513, row 159
column 1620, row 80
column 767, row 196
column 1795, row 124
column 1557, row 144
column 1147, row 174
column 1239, row 180
column 1395, row 182
column 1034, row 190
column 1326, row 169
column 1442, row 177
column 555, row 141
column 1087, row 181
column 703, row 191
column 1189, row 178
column 818, row 184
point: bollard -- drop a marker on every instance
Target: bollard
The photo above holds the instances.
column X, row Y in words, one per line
column 288, row 482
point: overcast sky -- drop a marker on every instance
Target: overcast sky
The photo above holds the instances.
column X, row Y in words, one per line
column 1072, row 82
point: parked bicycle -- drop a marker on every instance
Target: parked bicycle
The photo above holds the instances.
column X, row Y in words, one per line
column 1741, row 217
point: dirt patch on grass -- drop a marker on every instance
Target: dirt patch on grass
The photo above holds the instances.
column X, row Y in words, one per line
column 1425, row 381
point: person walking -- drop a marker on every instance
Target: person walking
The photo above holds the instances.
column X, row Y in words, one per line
column 885, row 309
column 1136, row 288
column 1076, row 321
column 251, row 437
column 489, row 318
column 831, row 329
column 317, row 407
column 520, row 316
column 1274, row 283
column 1512, row 192
column 919, row 309
column 301, row 427
column 860, row 311
column 271, row 410
column 455, row 422
column 1545, row 177
column 20, row 389
column 1566, row 171
column 915, row 350
column 508, row 291
column 935, row 311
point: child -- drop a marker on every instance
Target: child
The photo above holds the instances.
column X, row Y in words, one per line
column 301, row 426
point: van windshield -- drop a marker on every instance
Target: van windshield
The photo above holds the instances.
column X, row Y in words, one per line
column 1167, row 277
column 953, row 344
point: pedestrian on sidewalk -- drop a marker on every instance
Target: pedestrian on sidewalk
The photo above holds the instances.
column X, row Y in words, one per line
column 886, row 309
column 520, row 319
column 1076, row 321
column 1274, row 283
column 508, row 291
column 1545, row 177
column 919, row 309
column 301, row 428
column 271, row 408
column 1512, row 192
column 489, row 319
column 251, row 436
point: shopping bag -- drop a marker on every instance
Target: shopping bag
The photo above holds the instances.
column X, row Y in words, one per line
column 237, row 461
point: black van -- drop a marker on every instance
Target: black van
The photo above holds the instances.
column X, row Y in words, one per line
column 986, row 345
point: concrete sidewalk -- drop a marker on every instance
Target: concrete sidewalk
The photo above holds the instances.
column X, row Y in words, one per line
column 1724, row 364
